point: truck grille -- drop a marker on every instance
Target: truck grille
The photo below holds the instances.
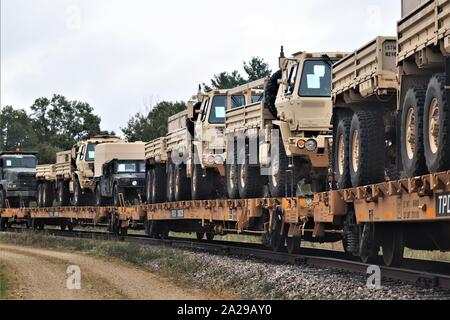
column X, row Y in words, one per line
column 26, row 182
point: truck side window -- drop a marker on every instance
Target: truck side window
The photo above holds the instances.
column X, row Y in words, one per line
column 290, row 86
column 238, row 101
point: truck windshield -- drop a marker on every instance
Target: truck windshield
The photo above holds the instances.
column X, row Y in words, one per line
column 20, row 162
column 90, row 152
column 316, row 79
column 126, row 167
column 217, row 115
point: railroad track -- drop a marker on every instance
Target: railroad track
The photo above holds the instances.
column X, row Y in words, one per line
column 427, row 274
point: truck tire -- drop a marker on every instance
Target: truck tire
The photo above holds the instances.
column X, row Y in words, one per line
column 48, row 195
column 412, row 148
column 78, row 197
column 367, row 148
column 2, row 198
column 182, row 185
column 232, row 170
column 40, row 191
column 250, row 182
column 63, row 193
column 149, row 181
column 436, row 126
column 159, row 184
column 99, row 199
column 170, row 182
column 341, row 150
column 279, row 180
column 271, row 92
column 200, row 185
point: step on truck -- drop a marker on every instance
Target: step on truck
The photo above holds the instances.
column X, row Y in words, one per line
column 291, row 127
column 71, row 180
column 119, row 173
column 391, row 117
column 189, row 163
column 17, row 179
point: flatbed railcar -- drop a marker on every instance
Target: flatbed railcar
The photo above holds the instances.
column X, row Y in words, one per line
column 409, row 213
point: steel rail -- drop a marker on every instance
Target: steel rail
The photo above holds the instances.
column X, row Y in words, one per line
column 422, row 273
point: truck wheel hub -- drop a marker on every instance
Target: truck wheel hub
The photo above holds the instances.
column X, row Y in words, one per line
column 433, row 126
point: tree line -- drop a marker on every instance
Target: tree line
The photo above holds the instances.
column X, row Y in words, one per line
column 53, row 125
column 152, row 124
column 56, row 124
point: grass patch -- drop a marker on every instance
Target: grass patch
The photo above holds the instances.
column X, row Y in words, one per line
column 3, row 284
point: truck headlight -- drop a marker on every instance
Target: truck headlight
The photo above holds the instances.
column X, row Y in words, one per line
column 134, row 183
column 311, row 145
column 11, row 186
column 218, row 159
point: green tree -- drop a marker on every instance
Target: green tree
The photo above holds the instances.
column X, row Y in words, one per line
column 225, row 80
column 16, row 130
column 61, row 122
column 153, row 125
column 257, row 69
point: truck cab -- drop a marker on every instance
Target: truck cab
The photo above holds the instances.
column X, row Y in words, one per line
column 125, row 177
column 17, row 179
column 207, row 113
column 119, row 171
column 83, row 157
column 303, row 106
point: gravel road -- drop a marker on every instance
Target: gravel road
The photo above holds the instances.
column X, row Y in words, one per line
column 41, row 274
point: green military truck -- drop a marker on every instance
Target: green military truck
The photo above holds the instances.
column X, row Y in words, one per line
column 17, row 179
column 119, row 169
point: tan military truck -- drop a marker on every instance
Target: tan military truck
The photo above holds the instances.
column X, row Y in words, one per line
column 390, row 101
column 189, row 162
column 292, row 125
column 119, row 170
column 71, row 179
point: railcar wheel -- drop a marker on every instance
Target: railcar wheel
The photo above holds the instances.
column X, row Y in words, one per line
column 200, row 235
column 210, row 236
column 436, row 126
column 293, row 244
column 393, row 247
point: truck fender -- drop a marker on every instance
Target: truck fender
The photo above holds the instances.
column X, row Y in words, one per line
column 285, row 131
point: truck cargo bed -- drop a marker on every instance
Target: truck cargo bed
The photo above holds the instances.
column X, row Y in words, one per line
column 423, row 27
column 369, row 70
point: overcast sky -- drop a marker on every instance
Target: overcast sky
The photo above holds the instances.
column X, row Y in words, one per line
column 121, row 55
